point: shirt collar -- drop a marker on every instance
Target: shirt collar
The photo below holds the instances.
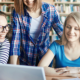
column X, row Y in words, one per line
column 25, row 12
column 44, row 11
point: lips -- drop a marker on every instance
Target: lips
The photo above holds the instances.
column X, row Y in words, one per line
column 1, row 36
column 70, row 36
column 30, row 3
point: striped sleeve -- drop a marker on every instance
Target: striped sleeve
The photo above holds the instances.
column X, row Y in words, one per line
column 4, row 51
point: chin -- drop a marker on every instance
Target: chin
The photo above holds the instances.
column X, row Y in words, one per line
column 71, row 40
column 2, row 37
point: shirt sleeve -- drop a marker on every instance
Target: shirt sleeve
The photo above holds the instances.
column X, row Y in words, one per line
column 4, row 52
column 56, row 24
column 53, row 48
column 15, row 43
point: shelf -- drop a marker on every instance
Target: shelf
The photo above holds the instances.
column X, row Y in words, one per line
column 7, row 2
column 7, row 13
column 67, row 3
column 9, row 23
column 63, row 14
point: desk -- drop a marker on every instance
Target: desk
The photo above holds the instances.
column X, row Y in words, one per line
column 50, row 78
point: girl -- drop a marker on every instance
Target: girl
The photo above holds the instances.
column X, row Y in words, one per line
column 4, row 42
column 31, row 22
column 67, row 51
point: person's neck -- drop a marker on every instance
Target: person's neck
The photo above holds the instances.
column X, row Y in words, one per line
column 2, row 40
column 73, row 45
column 34, row 14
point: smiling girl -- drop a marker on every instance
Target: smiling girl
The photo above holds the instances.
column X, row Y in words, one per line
column 66, row 51
column 4, row 42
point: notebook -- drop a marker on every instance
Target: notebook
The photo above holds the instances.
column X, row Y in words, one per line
column 19, row 72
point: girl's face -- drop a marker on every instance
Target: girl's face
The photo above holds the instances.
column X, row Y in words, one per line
column 29, row 3
column 3, row 32
column 72, row 30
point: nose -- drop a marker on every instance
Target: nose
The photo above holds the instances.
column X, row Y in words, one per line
column 30, row 0
column 72, row 30
column 0, row 29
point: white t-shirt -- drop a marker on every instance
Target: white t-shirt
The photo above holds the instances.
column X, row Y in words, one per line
column 36, row 27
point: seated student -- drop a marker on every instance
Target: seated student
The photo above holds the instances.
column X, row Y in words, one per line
column 65, row 51
column 4, row 42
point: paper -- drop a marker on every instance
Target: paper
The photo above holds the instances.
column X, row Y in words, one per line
column 72, row 79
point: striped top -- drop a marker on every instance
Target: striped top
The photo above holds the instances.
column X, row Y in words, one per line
column 4, row 51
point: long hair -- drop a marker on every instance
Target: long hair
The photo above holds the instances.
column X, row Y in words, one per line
column 76, row 17
column 19, row 6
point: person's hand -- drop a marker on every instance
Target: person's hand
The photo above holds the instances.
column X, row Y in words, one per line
column 62, row 71
column 67, row 71
column 73, row 69
column 55, row 79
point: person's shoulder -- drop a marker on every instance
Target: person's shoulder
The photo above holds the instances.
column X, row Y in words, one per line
column 14, row 13
column 47, row 5
column 54, row 42
column 6, row 41
column 57, row 43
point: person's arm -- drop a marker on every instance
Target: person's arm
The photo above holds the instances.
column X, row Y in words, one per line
column 79, row 70
column 13, row 59
column 69, row 70
column 15, row 42
column 4, row 54
column 45, row 61
column 56, row 23
column 73, row 69
column 47, row 58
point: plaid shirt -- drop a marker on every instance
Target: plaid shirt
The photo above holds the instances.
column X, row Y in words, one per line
column 21, row 34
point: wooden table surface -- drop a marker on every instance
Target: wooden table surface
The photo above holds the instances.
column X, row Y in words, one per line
column 51, row 78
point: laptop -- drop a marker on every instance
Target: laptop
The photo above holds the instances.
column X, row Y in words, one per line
column 20, row 72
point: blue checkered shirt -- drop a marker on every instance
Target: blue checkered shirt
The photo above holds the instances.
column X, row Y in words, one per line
column 21, row 34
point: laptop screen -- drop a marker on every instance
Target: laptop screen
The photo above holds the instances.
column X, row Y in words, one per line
column 19, row 72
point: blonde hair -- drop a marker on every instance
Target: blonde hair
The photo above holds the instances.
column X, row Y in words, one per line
column 19, row 6
column 76, row 17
